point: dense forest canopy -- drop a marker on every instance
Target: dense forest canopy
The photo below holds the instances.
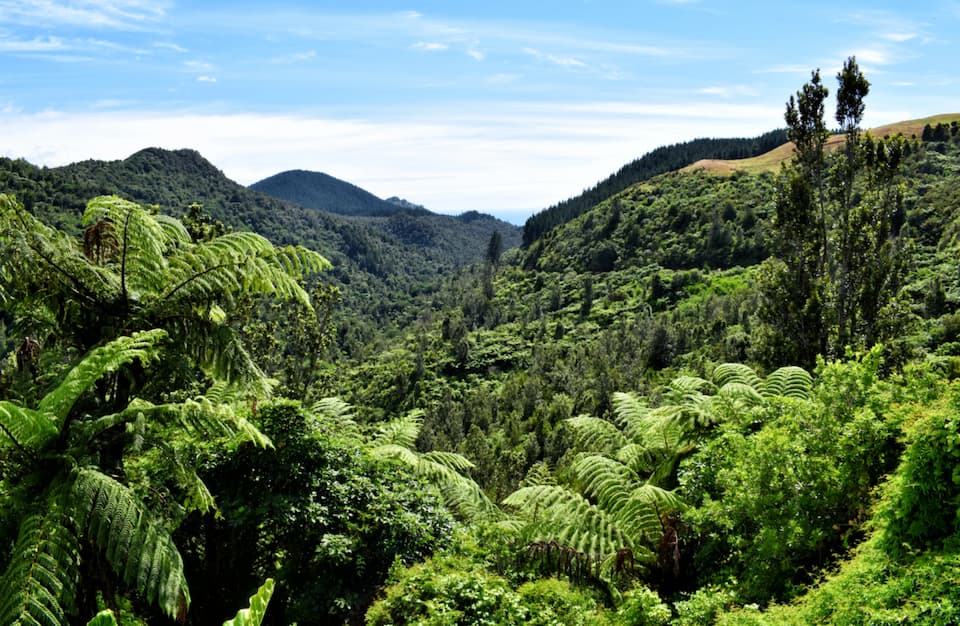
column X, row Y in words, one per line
column 691, row 398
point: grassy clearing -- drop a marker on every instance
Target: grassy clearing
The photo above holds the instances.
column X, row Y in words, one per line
column 770, row 161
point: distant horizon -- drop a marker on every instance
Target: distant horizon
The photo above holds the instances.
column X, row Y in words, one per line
column 452, row 105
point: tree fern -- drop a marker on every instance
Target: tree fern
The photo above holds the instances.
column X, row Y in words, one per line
column 789, row 382
column 396, row 440
column 40, row 583
column 138, row 548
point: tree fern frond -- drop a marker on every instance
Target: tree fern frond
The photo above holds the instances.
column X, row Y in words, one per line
column 538, row 474
column 143, row 241
column 735, row 372
column 400, row 453
column 340, row 413
column 557, row 513
column 451, row 460
column 138, row 548
column 596, row 435
column 94, row 366
column 27, row 429
column 629, row 409
column 202, row 417
column 40, row 583
column 604, row 480
column 402, row 431
column 253, row 615
column 173, row 229
column 789, row 382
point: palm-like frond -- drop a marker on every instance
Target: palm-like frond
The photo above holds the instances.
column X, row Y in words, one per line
column 253, row 615
column 735, row 372
column 138, row 548
column 402, row 431
column 40, row 582
column 595, row 434
column 556, row 513
column 789, row 382
column 94, row 366
column 26, row 428
column 396, row 440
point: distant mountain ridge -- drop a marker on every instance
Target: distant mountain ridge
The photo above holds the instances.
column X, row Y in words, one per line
column 319, row 191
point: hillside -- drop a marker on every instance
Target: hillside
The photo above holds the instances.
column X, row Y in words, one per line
column 659, row 161
column 440, row 237
column 316, row 190
column 388, row 262
column 770, row 161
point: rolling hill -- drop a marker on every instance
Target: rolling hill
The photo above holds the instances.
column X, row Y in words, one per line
column 770, row 161
column 316, row 190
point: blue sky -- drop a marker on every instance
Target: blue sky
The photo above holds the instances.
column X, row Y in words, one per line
column 504, row 107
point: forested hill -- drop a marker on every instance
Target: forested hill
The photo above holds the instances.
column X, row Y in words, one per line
column 659, row 161
column 386, row 261
column 441, row 237
column 316, row 190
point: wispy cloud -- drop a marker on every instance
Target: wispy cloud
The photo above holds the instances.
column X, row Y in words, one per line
column 552, row 58
column 728, row 91
column 899, row 37
column 476, row 55
column 110, row 14
column 37, row 44
column 430, row 46
column 206, row 79
column 166, row 45
column 202, row 67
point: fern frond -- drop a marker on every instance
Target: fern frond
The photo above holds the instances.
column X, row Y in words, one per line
column 199, row 416
column 789, row 382
column 735, row 372
column 40, row 583
column 402, row 431
column 27, row 429
column 103, row 618
column 555, row 513
column 138, row 548
column 142, row 239
column 538, row 474
column 335, row 410
column 451, row 460
column 605, row 481
column 95, row 365
column 253, row 615
column 596, row 435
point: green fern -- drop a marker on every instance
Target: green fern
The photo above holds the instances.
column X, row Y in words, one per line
column 40, row 583
column 138, row 548
column 789, row 382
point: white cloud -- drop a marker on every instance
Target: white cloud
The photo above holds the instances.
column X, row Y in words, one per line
column 429, row 46
column 475, row 54
column 109, row 14
column 552, row 58
column 206, row 79
column 166, row 45
column 729, row 91
column 201, row 67
column 492, row 158
column 37, row 44
column 899, row 37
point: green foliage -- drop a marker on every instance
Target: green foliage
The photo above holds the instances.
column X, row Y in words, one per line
column 787, row 486
column 253, row 616
column 659, row 161
column 67, row 501
column 643, row 607
column 328, row 520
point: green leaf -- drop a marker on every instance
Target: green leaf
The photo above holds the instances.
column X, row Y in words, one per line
column 103, row 618
column 253, row 616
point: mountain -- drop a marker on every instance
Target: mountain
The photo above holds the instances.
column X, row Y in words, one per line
column 388, row 262
column 439, row 236
column 316, row 190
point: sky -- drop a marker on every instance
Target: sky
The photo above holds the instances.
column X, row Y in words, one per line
column 495, row 106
